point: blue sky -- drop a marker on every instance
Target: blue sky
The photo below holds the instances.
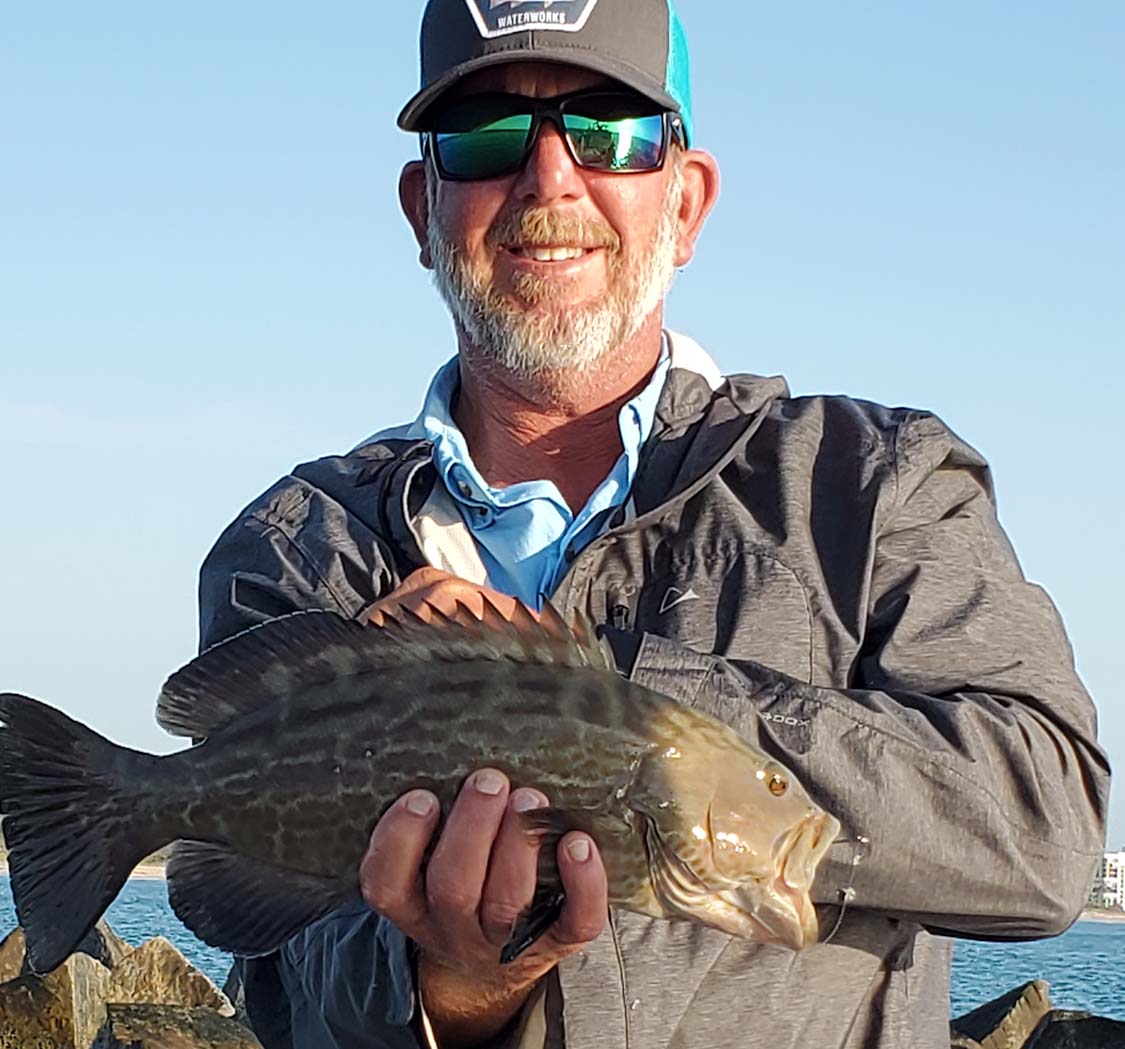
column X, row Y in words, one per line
column 204, row 279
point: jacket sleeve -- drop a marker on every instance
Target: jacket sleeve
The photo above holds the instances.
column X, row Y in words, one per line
column 965, row 752
column 294, row 548
column 346, row 981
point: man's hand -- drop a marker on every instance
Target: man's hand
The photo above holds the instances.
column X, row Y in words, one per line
column 433, row 587
column 460, row 909
column 482, row 873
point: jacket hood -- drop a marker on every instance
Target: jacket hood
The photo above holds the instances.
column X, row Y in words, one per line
column 703, row 420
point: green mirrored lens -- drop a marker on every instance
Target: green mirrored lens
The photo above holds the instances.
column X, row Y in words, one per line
column 485, row 136
column 628, row 144
column 484, row 150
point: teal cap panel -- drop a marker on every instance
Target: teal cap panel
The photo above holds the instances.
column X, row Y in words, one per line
column 677, row 79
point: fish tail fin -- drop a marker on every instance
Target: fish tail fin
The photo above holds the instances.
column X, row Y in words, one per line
column 69, row 822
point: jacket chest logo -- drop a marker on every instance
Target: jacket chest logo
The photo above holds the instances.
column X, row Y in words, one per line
column 675, row 596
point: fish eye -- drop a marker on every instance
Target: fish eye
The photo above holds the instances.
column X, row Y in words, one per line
column 778, row 784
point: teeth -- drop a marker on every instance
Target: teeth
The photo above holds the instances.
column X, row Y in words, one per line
column 551, row 254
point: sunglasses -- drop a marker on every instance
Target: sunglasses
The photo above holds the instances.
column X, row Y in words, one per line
column 489, row 135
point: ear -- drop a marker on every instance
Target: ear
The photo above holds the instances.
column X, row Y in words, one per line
column 416, row 206
column 701, row 191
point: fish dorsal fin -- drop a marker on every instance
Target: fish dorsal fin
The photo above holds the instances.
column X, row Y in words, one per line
column 521, row 639
column 257, row 667
column 290, row 654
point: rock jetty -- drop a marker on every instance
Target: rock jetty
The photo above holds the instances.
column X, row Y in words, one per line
column 1025, row 1018
column 110, row 995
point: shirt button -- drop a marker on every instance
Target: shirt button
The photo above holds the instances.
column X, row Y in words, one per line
column 465, row 488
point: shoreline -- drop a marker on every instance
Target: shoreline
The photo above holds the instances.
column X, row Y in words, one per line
column 155, row 872
column 148, row 872
column 1102, row 916
column 143, row 872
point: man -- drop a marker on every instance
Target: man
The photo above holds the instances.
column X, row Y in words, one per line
column 826, row 575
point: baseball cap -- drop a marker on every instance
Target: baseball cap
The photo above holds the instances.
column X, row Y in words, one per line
column 641, row 43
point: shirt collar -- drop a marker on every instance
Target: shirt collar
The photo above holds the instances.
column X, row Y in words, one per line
column 460, row 474
column 681, row 351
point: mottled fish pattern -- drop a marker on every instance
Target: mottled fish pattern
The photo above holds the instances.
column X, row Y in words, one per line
column 312, row 725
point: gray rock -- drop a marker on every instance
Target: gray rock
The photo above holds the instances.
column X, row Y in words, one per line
column 171, row 1027
column 1007, row 1022
column 67, row 1008
column 158, row 974
column 1066, row 1029
column 101, row 943
column 962, row 1041
column 11, row 955
column 62, row 1010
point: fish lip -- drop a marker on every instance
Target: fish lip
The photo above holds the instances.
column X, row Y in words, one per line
column 818, row 831
column 734, row 909
column 782, row 919
column 806, row 842
column 772, row 911
column 795, row 923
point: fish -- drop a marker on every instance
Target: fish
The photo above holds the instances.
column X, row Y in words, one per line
column 310, row 725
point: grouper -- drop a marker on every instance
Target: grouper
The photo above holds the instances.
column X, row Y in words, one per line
column 311, row 725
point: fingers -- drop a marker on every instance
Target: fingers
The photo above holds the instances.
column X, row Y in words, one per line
column 408, row 594
column 587, row 891
column 390, row 874
column 512, row 869
column 456, row 873
column 429, row 588
column 480, row 876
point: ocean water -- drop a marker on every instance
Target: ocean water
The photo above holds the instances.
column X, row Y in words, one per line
column 141, row 911
column 1085, row 966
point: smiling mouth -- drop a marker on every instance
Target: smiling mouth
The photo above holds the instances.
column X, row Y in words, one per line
column 548, row 253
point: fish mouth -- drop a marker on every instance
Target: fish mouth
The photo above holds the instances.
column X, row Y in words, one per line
column 802, row 848
column 798, row 858
column 781, row 910
column 765, row 910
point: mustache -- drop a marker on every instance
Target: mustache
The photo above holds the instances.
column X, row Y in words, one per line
column 541, row 227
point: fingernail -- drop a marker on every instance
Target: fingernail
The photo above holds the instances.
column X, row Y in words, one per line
column 488, row 781
column 524, row 800
column 579, row 850
column 421, row 802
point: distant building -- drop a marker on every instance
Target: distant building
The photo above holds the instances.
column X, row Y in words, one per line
column 1108, row 889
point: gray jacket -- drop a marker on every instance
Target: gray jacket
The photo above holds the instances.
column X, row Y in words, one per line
column 829, row 577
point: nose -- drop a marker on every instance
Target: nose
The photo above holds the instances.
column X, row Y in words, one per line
column 550, row 174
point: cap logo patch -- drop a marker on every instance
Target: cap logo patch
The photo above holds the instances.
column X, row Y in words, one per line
column 500, row 17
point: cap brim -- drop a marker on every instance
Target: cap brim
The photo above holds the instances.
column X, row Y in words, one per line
column 412, row 117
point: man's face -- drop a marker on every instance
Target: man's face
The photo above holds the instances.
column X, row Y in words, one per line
column 613, row 238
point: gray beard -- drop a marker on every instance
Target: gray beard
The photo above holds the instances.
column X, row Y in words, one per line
column 544, row 336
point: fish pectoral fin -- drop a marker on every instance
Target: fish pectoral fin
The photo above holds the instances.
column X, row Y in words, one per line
column 548, row 825
column 243, row 905
column 534, row 920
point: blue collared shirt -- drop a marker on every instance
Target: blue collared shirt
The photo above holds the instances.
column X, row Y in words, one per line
column 525, row 532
